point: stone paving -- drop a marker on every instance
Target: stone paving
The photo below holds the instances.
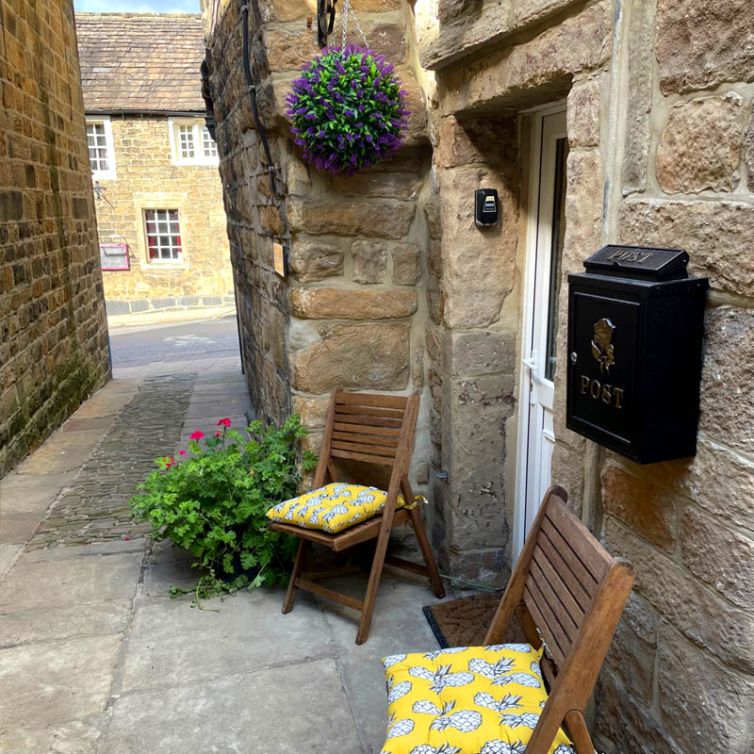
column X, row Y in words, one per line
column 95, row 657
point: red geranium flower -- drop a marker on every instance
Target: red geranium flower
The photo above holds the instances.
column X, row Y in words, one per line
column 197, row 435
column 225, row 422
column 181, row 452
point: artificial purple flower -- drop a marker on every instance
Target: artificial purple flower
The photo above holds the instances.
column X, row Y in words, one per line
column 347, row 110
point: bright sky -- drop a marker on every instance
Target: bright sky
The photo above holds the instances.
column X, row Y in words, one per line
column 138, row 6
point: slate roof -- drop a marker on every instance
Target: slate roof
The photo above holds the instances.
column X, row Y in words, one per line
column 140, row 62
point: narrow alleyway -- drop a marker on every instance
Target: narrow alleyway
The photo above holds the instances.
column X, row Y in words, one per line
column 94, row 654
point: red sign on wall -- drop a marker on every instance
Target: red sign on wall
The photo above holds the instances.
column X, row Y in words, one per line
column 114, row 257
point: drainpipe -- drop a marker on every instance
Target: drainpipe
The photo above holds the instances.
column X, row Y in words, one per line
column 251, row 87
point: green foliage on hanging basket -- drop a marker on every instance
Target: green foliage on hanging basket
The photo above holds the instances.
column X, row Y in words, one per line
column 347, row 110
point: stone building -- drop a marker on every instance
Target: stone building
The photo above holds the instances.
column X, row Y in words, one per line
column 154, row 163
column 53, row 333
column 597, row 122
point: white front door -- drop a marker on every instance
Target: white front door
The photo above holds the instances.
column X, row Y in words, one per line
column 540, row 316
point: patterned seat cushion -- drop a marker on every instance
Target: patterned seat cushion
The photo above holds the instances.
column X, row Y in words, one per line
column 332, row 508
column 466, row 700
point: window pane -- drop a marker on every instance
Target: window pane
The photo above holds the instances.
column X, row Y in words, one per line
column 163, row 234
column 556, row 263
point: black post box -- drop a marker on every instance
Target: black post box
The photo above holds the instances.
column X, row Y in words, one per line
column 635, row 326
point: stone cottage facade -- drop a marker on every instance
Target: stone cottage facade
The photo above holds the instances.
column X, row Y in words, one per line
column 154, row 163
column 597, row 122
column 53, row 333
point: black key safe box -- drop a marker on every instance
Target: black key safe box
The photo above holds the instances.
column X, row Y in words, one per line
column 635, row 327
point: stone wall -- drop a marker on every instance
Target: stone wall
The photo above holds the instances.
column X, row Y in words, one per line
column 659, row 99
column 659, row 111
column 349, row 314
column 53, row 334
column 147, row 178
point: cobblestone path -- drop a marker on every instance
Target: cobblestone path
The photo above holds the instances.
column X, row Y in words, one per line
column 94, row 507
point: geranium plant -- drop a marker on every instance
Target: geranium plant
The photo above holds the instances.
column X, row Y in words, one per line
column 212, row 499
column 347, row 110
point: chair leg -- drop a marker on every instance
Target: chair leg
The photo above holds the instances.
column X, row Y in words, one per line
column 374, row 584
column 429, row 557
column 298, row 567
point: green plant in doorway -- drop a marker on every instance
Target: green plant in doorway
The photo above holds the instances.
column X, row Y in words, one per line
column 212, row 499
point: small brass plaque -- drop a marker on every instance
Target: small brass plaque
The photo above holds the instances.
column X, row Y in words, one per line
column 278, row 259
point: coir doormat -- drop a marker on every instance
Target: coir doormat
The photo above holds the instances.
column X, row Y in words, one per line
column 464, row 622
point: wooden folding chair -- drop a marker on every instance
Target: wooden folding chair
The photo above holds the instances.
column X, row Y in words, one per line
column 568, row 594
column 372, row 430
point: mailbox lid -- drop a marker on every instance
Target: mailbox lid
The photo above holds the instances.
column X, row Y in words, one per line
column 604, row 351
column 639, row 262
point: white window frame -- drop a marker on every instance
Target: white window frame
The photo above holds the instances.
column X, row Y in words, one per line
column 160, row 261
column 110, row 173
column 199, row 158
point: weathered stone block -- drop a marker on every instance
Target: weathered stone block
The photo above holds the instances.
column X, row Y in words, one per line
column 338, row 303
column 699, row 45
column 374, row 356
column 633, row 659
column 479, row 140
column 579, row 43
column 718, row 555
column 584, row 203
column 699, row 701
column 470, row 354
column 749, row 153
column 289, row 10
column 641, row 63
column 432, row 216
column 584, row 113
column 718, row 237
column 704, row 617
column 375, row 182
column 380, row 219
column 315, row 260
column 568, row 471
column 623, row 725
column 406, row 269
column 727, row 408
column 477, row 267
column 648, row 510
column 313, row 411
column 700, row 145
column 369, row 261
column 289, row 47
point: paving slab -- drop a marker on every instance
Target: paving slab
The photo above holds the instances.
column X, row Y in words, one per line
column 8, row 554
column 31, row 493
column 61, row 583
column 173, row 643
column 64, row 451
column 73, row 738
column 55, row 682
column 51, row 624
column 295, row 709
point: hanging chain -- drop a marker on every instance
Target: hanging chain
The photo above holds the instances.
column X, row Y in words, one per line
column 344, row 18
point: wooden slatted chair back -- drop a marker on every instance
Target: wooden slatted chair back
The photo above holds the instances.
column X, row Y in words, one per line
column 569, row 594
column 566, row 570
column 372, row 429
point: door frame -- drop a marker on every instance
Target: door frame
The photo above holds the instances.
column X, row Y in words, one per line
column 536, row 116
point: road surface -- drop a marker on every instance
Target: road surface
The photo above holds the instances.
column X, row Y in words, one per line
column 187, row 341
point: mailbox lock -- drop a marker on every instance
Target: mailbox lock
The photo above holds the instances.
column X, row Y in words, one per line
column 574, row 357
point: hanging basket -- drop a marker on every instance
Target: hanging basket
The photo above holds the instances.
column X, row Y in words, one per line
column 347, row 110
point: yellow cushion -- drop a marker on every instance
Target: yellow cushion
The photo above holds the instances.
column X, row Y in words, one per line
column 466, row 700
column 332, row 508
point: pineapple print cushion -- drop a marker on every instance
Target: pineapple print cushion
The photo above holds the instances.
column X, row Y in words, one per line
column 333, row 508
column 466, row 700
